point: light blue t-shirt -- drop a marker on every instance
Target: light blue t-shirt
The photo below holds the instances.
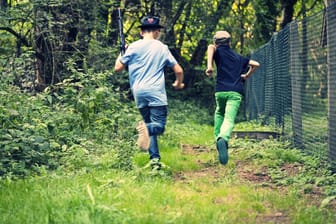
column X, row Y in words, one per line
column 146, row 59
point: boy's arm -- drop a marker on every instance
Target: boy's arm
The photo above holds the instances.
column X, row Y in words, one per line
column 253, row 66
column 178, row 84
column 211, row 51
column 118, row 67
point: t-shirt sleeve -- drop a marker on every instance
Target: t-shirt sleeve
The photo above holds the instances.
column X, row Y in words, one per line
column 127, row 56
column 171, row 61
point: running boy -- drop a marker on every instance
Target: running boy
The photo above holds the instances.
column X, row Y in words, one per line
column 146, row 60
column 229, row 88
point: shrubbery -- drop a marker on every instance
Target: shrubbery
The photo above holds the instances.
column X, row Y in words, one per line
column 39, row 131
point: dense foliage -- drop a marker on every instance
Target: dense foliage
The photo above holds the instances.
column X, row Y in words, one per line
column 58, row 92
column 46, row 34
column 70, row 118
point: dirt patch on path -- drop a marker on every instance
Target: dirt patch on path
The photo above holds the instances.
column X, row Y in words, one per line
column 212, row 170
column 245, row 171
column 207, row 170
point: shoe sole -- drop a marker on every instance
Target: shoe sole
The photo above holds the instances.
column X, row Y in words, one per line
column 144, row 141
column 222, row 151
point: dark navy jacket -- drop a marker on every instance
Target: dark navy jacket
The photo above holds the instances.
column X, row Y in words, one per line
column 230, row 66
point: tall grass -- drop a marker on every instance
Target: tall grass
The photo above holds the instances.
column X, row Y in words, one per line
column 193, row 188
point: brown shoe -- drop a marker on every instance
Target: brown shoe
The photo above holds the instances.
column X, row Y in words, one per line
column 143, row 136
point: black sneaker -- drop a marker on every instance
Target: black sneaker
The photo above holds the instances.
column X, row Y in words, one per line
column 222, row 147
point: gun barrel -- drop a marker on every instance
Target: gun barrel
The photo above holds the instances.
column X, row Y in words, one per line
column 121, row 33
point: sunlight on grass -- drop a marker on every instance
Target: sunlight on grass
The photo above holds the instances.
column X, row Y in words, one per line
column 264, row 181
column 144, row 200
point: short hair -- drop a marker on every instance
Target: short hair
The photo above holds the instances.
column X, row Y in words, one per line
column 222, row 41
column 149, row 29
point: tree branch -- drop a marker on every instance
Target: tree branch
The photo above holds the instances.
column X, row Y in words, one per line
column 21, row 38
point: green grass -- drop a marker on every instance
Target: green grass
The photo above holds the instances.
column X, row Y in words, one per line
column 110, row 196
column 264, row 182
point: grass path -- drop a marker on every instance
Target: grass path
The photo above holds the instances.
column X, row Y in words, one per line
column 263, row 183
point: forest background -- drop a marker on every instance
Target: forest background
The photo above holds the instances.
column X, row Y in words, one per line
column 67, row 136
column 53, row 36
column 59, row 56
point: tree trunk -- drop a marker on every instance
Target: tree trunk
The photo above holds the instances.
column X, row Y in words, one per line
column 184, row 26
column 329, row 2
column 198, row 55
column 131, row 7
column 266, row 19
column 61, row 32
column 224, row 7
column 164, row 10
column 288, row 11
column 43, row 47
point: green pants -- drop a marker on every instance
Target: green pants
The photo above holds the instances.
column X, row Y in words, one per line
column 227, row 106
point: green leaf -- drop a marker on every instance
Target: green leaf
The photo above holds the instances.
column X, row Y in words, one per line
column 49, row 98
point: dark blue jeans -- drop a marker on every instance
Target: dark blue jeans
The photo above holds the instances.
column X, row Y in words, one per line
column 155, row 119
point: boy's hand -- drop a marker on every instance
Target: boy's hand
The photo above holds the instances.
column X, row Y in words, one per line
column 209, row 72
column 178, row 85
column 244, row 76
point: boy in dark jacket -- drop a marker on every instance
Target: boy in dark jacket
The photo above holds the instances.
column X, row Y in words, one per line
column 229, row 87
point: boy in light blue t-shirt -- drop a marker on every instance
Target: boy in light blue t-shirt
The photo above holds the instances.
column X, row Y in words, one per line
column 146, row 60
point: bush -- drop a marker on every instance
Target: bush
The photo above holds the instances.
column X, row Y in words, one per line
column 38, row 131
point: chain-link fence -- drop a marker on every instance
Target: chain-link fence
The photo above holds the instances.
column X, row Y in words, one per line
column 295, row 86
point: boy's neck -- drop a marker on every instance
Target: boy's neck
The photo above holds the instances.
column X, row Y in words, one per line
column 147, row 36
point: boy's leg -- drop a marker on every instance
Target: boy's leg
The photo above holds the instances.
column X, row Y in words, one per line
column 227, row 107
column 143, row 134
column 155, row 119
column 154, row 148
column 220, row 98
column 158, row 119
column 232, row 106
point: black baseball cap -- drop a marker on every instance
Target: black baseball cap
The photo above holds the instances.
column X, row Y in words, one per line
column 150, row 22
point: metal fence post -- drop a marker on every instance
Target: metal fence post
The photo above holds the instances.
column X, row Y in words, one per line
column 331, row 41
column 296, row 81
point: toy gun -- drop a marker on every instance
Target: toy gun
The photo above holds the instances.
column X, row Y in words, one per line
column 121, row 33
